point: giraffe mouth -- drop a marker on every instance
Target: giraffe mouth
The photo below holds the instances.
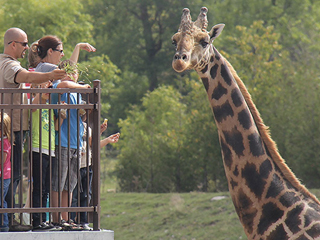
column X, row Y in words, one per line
column 179, row 65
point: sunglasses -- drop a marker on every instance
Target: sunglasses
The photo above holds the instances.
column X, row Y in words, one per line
column 24, row 44
column 57, row 50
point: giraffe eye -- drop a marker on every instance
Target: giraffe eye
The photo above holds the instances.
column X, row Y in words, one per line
column 174, row 43
column 203, row 43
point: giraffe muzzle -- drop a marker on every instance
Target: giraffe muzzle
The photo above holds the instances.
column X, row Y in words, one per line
column 180, row 62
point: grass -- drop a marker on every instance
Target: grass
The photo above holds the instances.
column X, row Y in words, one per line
column 186, row 216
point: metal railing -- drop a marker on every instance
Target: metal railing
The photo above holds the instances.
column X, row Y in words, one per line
column 92, row 109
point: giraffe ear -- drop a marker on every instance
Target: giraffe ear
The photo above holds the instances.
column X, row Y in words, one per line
column 215, row 31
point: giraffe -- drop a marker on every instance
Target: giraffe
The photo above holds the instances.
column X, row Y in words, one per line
column 270, row 201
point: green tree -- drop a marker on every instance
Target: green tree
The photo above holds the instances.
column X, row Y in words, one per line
column 149, row 138
column 101, row 68
column 278, row 84
column 64, row 18
column 136, row 35
column 201, row 153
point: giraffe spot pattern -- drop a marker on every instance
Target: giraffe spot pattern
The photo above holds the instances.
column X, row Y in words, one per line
column 253, row 179
column 302, row 237
column 216, row 54
column 276, row 187
column 314, row 206
column 205, row 82
column 218, row 92
column 227, row 155
column 288, row 199
column 314, row 231
column 233, row 184
column 225, row 75
column 310, row 217
column 270, row 214
column 213, row 71
column 211, row 59
column 205, row 69
column 222, row 112
column 289, row 185
column 265, row 169
column 246, row 211
column 245, row 119
column 236, row 171
column 268, row 153
column 293, row 219
column 236, row 97
column 235, row 140
column 256, row 146
column 278, row 233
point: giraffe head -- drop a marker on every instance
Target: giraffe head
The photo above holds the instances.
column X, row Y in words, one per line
column 193, row 41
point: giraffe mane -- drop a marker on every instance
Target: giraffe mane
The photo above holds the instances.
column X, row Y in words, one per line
column 266, row 137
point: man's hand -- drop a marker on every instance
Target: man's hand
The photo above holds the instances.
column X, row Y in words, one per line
column 57, row 74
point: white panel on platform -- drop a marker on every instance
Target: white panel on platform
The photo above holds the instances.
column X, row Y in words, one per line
column 63, row 235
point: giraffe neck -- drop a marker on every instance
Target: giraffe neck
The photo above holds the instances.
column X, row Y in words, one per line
column 264, row 191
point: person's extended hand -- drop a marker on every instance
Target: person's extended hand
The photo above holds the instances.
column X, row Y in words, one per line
column 86, row 46
column 63, row 111
column 103, row 127
column 57, row 74
column 113, row 138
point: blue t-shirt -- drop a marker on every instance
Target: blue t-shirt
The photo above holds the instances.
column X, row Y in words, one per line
column 48, row 67
column 74, row 136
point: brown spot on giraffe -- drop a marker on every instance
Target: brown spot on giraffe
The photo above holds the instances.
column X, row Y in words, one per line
column 270, row 201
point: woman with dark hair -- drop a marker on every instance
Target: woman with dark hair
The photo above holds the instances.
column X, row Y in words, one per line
column 50, row 51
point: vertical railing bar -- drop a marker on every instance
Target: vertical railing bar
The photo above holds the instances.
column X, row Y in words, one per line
column 96, row 155
column 21, row 157
column 2, row 199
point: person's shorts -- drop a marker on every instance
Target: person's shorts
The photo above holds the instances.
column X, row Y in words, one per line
column 74, row 161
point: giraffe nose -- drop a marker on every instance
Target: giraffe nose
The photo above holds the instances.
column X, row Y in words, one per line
column 183, row 56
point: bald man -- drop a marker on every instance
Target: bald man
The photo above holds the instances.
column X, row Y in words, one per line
column 12, row 75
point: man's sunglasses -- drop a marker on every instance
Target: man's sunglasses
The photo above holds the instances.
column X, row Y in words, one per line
column 24, row 44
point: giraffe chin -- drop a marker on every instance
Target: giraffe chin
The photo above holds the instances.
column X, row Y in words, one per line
column 179, row 66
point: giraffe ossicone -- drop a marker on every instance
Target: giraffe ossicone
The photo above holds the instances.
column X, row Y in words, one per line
column 270, row 201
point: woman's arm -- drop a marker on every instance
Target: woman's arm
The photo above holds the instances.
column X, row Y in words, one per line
column 83, row 46
column 71, row 84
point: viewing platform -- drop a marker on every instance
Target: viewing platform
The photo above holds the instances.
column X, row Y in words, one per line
column 61, row 235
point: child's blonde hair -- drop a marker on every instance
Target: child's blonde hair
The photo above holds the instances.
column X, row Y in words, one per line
column 71, row 65
column 6, row 126
column 71, row 69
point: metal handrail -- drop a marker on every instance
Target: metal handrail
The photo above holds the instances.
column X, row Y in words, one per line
column 93, row 105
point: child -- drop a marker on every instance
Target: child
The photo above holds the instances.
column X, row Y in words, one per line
column 5, row 139
column 67, row 186
column 41, row 151
column 86, row 172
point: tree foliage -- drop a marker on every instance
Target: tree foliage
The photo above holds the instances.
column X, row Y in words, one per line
column 151, row 134
column 168, row 138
